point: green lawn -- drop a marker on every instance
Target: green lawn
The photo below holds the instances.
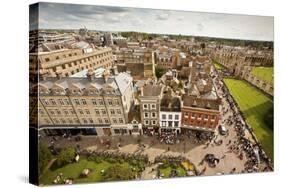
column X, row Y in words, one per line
column 166, row 171
column 74, row 170
column 264, row 73
column 218, row 66
column 254, row 105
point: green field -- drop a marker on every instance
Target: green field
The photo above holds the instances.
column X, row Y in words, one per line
column 264, row 73
column 255, row 106
column 166, row 171
column 218, row 66
column 74, row 170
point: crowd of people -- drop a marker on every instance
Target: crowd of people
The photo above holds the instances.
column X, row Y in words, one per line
column 243, row 146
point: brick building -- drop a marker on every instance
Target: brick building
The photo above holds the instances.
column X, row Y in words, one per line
column 200, row 114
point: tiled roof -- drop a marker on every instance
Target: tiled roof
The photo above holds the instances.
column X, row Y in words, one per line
column 191, row 101
column 152, row 90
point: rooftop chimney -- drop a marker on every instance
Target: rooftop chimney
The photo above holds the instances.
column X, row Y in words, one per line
column 115, row 70
column 91, row 75
column 106, row 75
column 59, row 74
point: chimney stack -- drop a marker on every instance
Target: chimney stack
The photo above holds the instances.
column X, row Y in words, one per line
column 91, row 75
column 115, row 70
column 106, row 75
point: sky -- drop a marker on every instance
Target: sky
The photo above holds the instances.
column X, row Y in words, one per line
column 106, row 18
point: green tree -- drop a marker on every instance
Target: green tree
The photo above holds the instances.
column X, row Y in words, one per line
column 45, row 157
column 180, row 85
column 159, row 71
column 66, row 156
column 118, row 172
column 203, row 45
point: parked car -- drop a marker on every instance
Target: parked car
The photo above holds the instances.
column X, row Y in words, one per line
column 222, row 129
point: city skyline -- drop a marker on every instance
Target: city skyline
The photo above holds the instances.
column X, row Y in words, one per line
column 107, row 18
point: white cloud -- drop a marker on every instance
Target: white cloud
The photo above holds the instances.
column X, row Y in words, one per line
column 156, row 21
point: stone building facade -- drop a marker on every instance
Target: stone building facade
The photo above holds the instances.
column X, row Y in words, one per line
column 96, row 104
column 150, row 99
column 66, row 62
column 140, row 62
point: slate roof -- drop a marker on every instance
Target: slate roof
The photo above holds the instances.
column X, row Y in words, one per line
column 120, row 82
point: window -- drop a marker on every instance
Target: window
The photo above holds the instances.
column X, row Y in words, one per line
column 192, row 115
column 170, row 123
column 58, row 112
column 112, row 112
column 153, row 122
column 41, row 111
column 100, row 120
column 65, row 112
column 76, row 101
column 164, row 123
column 176, row 117
column 153, row 114
column 146, row 122
column 52, row 112
column 47, row 59
column 61, row 102
column 63, row 121
column 118, row 111
column 87, row 111
column 84, row 102
column 94, row 102
column 109, row 102
column 163, row 116
column 47, row 121
column 117, row 102
column 176, row 124
column 81, row 111
column 56, row 121
column 66, row 101
column 153, row 106
column 145, row 106
column 206, row 116
column 121, row 120
column 52, row 101
column 91, row 120
column 146, row 115
column 85, row 121
column 100, row 101
column 170, row 116
column 72, row 111
column 114, row 120
column 45, row 102
column 116, row 131
column 106, row 121
column 97, row 112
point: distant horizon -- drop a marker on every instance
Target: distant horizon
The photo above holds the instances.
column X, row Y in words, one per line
column 156, row 21
column 161, row 34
